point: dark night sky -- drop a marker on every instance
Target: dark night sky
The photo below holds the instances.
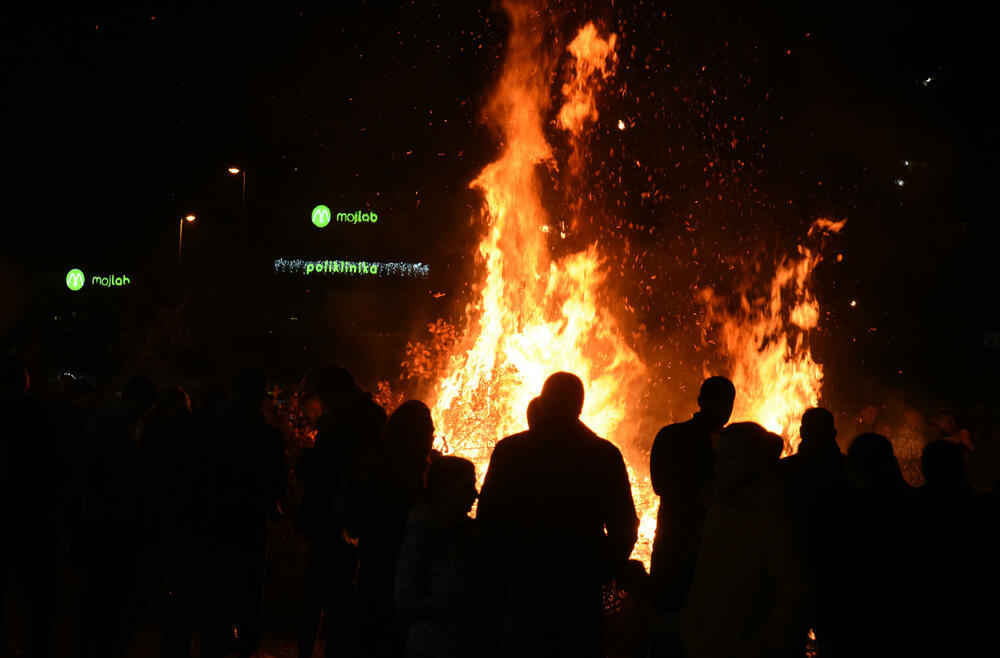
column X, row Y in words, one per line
column 117, row 124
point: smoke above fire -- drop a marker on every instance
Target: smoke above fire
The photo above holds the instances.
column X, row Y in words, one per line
column 543, row 296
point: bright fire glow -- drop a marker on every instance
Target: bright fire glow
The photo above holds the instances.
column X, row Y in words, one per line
column 766, row 344
column 534, row 314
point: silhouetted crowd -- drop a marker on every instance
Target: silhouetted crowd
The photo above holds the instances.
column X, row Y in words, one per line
column 821, row 553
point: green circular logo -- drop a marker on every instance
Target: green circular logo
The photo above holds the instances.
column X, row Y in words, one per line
column 74, row 279
column 321, row 216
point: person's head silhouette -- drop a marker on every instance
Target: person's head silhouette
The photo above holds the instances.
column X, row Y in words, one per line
column 534, row 413
column 745, row 451
column 872, row 463
column 409, row 432
column 817, row 430
column 173, row 402
column 942, row 464
column 334, row 384
column 715, row 399
column 451, row 485
column 561, row 400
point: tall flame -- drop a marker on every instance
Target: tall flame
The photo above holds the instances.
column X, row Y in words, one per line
column 766, row 344
column 535, row 314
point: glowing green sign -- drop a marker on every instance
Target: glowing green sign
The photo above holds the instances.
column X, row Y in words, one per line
column 358, row 216
column 111, row 281
column 75, row 279
column 321, row 216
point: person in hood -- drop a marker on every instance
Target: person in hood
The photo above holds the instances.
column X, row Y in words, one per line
column 751, row 593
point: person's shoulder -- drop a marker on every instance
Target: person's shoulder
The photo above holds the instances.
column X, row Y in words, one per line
column 513, row 440
column 606, row 449
column 594, row 442
column 674, row 431
column 511, row 447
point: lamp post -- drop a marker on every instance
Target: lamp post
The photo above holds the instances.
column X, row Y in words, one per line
column 180, row 241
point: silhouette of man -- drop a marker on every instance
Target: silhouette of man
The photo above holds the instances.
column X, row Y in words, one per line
column 816, row 483
column 557, row 500
column 27, row 551
column 818, row 467
column 818, row 433
column 348, row 429
column 751, row 592
column 682, row 468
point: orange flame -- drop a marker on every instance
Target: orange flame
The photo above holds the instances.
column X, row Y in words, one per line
column 535, row 315
column 767, row 346
column 593, row 55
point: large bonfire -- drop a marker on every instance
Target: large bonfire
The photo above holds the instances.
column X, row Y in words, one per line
column 536, row 313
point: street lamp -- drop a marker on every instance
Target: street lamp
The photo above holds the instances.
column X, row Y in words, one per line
column 237, row 171
column 180, row 240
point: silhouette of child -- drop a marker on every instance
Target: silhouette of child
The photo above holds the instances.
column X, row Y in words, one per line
column 438, row 578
